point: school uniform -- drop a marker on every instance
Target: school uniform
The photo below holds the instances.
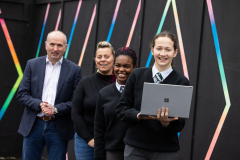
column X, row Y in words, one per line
column 109, row 131
column 148, row 135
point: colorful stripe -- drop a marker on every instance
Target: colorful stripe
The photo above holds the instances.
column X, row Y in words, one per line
column 73, row 28
column 184, row 63
column 159, row 29
column 58, row 20
column 87, row 36
column 223, row 79
column 113, row 21
column 17, row 65
column 43, row 28
column 134, row 24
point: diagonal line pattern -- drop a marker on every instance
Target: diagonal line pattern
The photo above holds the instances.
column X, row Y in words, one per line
column 87, row 36
column 73, row 28
column 113, row 20
column 134, row 24
column 223, row 79
column 17, row 65
column 184, row 63
column 43, row 28
column 159, row 29
column 58, row 20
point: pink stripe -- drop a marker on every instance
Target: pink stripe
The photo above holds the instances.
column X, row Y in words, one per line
column 58, row 20
column 134, row 24
column 46, row 15
column 78, row 9
column 0, row 11
column 87, row 37
column 184, row 63
column 116, row 10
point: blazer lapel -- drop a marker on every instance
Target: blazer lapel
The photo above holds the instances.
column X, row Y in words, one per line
column 63, row 74
column 41, row 74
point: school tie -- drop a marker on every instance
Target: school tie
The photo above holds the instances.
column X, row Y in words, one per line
column 121, row 89
column 158, row 77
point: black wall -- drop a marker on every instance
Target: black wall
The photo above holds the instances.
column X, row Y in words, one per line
column 25, row 19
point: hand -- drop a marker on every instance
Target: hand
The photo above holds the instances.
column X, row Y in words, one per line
column 91, row 143
column 47, row 109
column 163, row 117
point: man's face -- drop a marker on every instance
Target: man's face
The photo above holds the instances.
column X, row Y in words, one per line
column 55, row 46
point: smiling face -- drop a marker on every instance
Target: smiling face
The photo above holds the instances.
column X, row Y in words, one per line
column 163, row 52
column 122, row 68
column 104, row 60
column 55, row 46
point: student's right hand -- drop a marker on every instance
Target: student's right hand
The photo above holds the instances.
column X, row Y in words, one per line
column 91, row 143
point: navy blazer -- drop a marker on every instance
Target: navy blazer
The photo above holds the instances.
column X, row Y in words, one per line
column 30, row 94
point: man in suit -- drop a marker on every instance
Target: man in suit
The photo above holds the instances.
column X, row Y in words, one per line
column 46, row 92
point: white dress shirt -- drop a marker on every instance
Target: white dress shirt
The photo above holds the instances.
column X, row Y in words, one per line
column 118, row 86
column 163, row 73
column 50, row 83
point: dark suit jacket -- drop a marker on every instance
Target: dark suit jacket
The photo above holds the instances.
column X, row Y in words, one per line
column 30, row 94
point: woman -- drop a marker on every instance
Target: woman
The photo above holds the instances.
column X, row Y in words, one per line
column 109, row 131
column 152, row 137
column 84, row 101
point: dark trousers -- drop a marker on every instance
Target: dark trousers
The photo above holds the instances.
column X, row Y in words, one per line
column 115, row 155
column 44, row 133
column 133, row 153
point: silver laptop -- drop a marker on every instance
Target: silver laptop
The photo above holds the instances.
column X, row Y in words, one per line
column 177, row 98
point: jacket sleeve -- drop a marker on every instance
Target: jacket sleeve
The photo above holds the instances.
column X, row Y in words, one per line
column 24, row 92
column 125, row 109
column 77, row 113
column 99, row 131
column 65, row 108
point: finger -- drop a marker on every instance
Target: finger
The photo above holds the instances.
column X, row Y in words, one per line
column 158, row 113
column 166, row 113
column 162, row 113
column 173, row 119
column 152, row 117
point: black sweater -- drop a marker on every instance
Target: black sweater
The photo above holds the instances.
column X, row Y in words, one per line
column 148, row 134
column 84, row 103
column 109, row 131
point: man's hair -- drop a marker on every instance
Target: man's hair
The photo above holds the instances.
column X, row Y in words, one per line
column 56, row 32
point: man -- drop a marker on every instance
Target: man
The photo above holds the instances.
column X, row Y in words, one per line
column 46, row 92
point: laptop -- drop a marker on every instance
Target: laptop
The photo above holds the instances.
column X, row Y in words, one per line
column 177, row 98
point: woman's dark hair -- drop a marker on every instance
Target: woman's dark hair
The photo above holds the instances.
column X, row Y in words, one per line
column 169, row 35
column 126, row 51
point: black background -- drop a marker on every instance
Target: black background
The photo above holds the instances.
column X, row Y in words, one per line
column 24, row 20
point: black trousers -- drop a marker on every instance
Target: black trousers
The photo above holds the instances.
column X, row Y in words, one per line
column 133, row 153
column 115, row 155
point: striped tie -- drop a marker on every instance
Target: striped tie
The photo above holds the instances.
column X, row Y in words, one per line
column 158, row 77
column 121, row 89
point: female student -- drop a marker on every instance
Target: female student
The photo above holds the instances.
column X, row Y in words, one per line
column 109, row 131
column 151, row 137
column 84, row 101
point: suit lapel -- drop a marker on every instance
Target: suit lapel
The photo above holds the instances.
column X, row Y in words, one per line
column 41, row 73
column 63, row 74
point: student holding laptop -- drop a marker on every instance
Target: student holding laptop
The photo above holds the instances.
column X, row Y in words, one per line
column 152, row 137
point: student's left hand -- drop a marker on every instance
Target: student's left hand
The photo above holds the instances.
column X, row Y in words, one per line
column 162, row 116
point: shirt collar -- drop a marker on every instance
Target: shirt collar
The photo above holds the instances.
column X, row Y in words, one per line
column 118, row 86
column 59, row 62
column 163, row 73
